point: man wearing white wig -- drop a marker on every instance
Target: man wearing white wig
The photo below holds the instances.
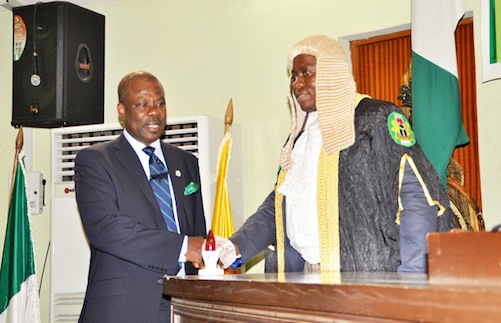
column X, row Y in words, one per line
column 354, row 192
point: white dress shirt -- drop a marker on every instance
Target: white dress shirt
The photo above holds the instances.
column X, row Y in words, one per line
column 145, row 162
column 300, row 190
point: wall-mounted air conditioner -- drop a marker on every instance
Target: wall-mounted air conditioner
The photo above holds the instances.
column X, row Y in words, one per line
column 70, row 252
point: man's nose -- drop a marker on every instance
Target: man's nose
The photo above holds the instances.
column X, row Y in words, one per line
column 298, row 83
column 152, row 108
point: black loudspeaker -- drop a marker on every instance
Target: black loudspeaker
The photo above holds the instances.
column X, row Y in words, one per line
column 58, row 71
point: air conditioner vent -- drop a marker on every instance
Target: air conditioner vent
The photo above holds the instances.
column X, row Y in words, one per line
column 67, row 142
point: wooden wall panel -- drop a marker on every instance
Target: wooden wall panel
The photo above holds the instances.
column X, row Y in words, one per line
column 379, row 64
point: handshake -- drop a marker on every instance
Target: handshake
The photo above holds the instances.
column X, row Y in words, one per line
column 214, row 250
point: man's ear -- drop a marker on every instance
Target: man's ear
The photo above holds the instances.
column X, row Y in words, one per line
column 121, row 114
column 121, row 111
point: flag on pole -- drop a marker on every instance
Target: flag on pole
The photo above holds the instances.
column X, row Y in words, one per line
column 436, row 106
column 222, row 219
column 19, row 299
column 494, row 31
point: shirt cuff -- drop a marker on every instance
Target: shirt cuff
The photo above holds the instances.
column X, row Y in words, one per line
column 184, row 250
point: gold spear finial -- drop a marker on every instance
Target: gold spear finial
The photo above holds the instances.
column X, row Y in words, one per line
column 19, row 146
column 19, row 140
column 228, row 117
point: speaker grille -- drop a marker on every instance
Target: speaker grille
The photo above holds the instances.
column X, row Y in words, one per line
column 61, row 44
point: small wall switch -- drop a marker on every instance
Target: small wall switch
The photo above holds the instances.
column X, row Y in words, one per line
column 35, row 192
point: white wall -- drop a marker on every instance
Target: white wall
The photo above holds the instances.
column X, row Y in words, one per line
column 207, row 51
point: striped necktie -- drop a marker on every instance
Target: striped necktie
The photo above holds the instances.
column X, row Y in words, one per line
column 161, row 187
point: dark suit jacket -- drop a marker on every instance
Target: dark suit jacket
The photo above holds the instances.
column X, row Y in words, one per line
column 131, row 248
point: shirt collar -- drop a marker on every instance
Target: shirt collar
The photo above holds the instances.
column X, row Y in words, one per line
column 138, row 146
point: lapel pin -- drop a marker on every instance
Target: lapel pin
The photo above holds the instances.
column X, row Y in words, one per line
column 178, row 173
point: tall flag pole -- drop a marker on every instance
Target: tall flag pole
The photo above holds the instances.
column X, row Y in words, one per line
column 19, row 297
column 222, row 219
column 436, row 106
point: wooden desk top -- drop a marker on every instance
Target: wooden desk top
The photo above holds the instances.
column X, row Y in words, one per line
column 383, row 297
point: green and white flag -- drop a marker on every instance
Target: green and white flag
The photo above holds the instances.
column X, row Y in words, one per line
column 19, row 299
column 436, row 106
column 494, row 31
column 490, row 27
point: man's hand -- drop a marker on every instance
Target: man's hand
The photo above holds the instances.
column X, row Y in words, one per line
column 194, row 253
column 227, row 251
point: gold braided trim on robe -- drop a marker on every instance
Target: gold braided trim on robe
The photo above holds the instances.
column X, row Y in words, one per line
column 328, row 207
column 328, row 214
column 328, row 211
column 406, row 158
column 279, row 224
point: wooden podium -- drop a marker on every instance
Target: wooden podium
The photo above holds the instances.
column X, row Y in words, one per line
column 346, row 297
column 467, row 258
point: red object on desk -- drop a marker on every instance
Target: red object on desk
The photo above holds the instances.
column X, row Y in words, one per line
column 210, row 242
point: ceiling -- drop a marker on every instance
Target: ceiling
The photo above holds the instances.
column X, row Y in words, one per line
column 8, row 4
column 16, row 3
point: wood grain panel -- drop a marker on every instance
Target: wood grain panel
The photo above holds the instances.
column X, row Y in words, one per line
column 370, row 297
